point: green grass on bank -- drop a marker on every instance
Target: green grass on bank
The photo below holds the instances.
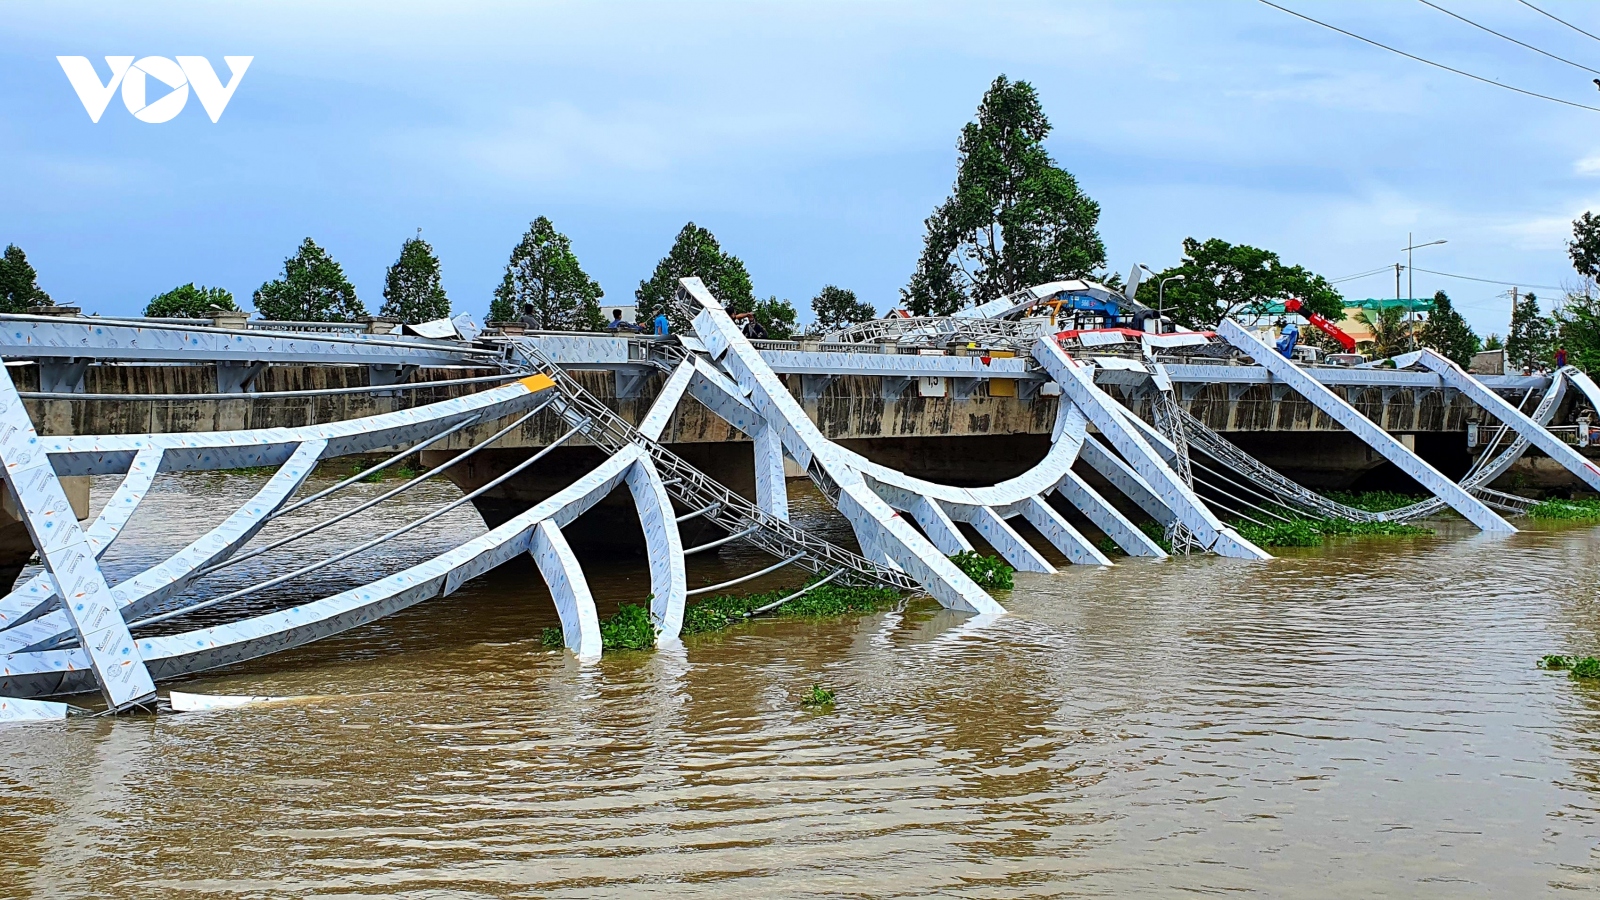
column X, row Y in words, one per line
column 989, row 572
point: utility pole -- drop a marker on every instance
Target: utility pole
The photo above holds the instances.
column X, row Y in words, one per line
column 1411, row 293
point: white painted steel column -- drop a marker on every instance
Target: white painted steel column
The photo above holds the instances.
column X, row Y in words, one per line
column 1112, row 468
column 939, row 527
column 1364, row 428
column 1108, row 518
column 580, row 623
column 1077, row 382
column 119, row 670
column 1058, row 531
column 1005, row 540
column 772, row 493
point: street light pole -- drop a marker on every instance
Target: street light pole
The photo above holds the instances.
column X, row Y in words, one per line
column 1161, row 294
column 1411, row 294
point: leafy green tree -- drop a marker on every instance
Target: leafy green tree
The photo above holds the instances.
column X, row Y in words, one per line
column 1584, row 248
column 189, row 302
column 1531, row 341
column 777, row 317
column 1448, row 333
column 836, row 308
column 695, row 254
column 312, row 289
column 1221, row 279
column 1578, row 330
column 1391, row 333
column 411, row 291
column 1014, row 218
column 543, row 274
column 19, row 284
column 1493, row 342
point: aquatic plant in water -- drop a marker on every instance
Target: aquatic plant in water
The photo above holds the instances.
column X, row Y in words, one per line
column 1305, row 531
column 818, row 697
column 629, row 629
column 1373, row 501
column 1571, row 510
column 825, row 601
column 989, row 572
column 1577, row 667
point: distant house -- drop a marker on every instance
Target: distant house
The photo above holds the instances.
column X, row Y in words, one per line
column 1419, row 308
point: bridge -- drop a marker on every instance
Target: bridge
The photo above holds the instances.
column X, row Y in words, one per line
column 1126, row 428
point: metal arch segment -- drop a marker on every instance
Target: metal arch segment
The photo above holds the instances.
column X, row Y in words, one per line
column 99, row 455
column 1495, row 405
column 1108, row 518
column 87, row 608
column 1362, row 427
column 580, row 623
column 881, row 532
column 663, row 544
column 31, row 599
column 146, row 590
column 1077, row 382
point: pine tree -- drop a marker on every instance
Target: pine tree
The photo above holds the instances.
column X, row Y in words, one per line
column 1014, row 218
column 189, row 302
column 543, row 281
column 411, row 291
column 836, row 308
column 1530, row 341
column 19, row 284
column 312, row 289
column 695, row 254
column 1448, row 333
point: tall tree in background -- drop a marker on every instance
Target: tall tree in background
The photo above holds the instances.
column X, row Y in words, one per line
column 1448, row 333
column 189, row 302
column 1222, row 279
column 19, row 284
column 312, row 289
column 695, row 254
column 1584, row 248
column 1578, row 322
column 411, row 291
column 1014, row 219
column 1530, row 342
column 836, row 308
column 544, row 273
column 777, row 317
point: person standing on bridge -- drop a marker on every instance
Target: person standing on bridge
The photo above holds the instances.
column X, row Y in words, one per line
column 618, row 326
column 660, row 326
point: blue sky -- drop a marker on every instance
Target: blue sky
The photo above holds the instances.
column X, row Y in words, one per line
column 811, row 138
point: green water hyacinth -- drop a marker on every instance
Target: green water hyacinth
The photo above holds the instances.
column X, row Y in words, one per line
column 818, row 697
column 1570, row 510
column 989, row 572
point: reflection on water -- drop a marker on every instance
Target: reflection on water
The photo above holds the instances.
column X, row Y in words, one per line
column 1359, row 720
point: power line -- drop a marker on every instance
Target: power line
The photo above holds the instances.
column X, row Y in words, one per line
column 1381, row 270
column 1430, row 62
column 1542, row 287
column 1508, row 37
column 1562, row 21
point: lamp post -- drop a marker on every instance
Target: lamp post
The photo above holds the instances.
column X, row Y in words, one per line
column 1161, row 294
column 1411, row 293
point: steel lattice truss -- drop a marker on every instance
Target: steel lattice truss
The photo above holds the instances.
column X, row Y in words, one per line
column 68, row 630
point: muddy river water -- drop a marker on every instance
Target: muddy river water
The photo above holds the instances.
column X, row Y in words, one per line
column 1357, row 720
